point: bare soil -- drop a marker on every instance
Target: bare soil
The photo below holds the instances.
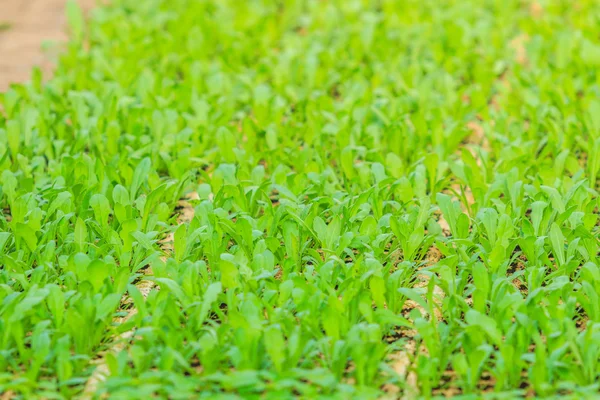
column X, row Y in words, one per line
column 24, row 26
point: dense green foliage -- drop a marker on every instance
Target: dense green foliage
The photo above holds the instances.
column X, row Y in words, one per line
column 394, row 198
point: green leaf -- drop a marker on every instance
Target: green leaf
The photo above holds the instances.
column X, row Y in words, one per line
column 139, row 177
column 81, row 235
column 75, row 19
column 558, row 244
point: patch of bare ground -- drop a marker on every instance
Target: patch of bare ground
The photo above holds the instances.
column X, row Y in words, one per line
column 25, row 26
column 8, row 395
column 185, row 214
column 401, row 360
column 450, row 387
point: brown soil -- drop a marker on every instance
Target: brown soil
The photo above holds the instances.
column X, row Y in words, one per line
column 24, row 26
